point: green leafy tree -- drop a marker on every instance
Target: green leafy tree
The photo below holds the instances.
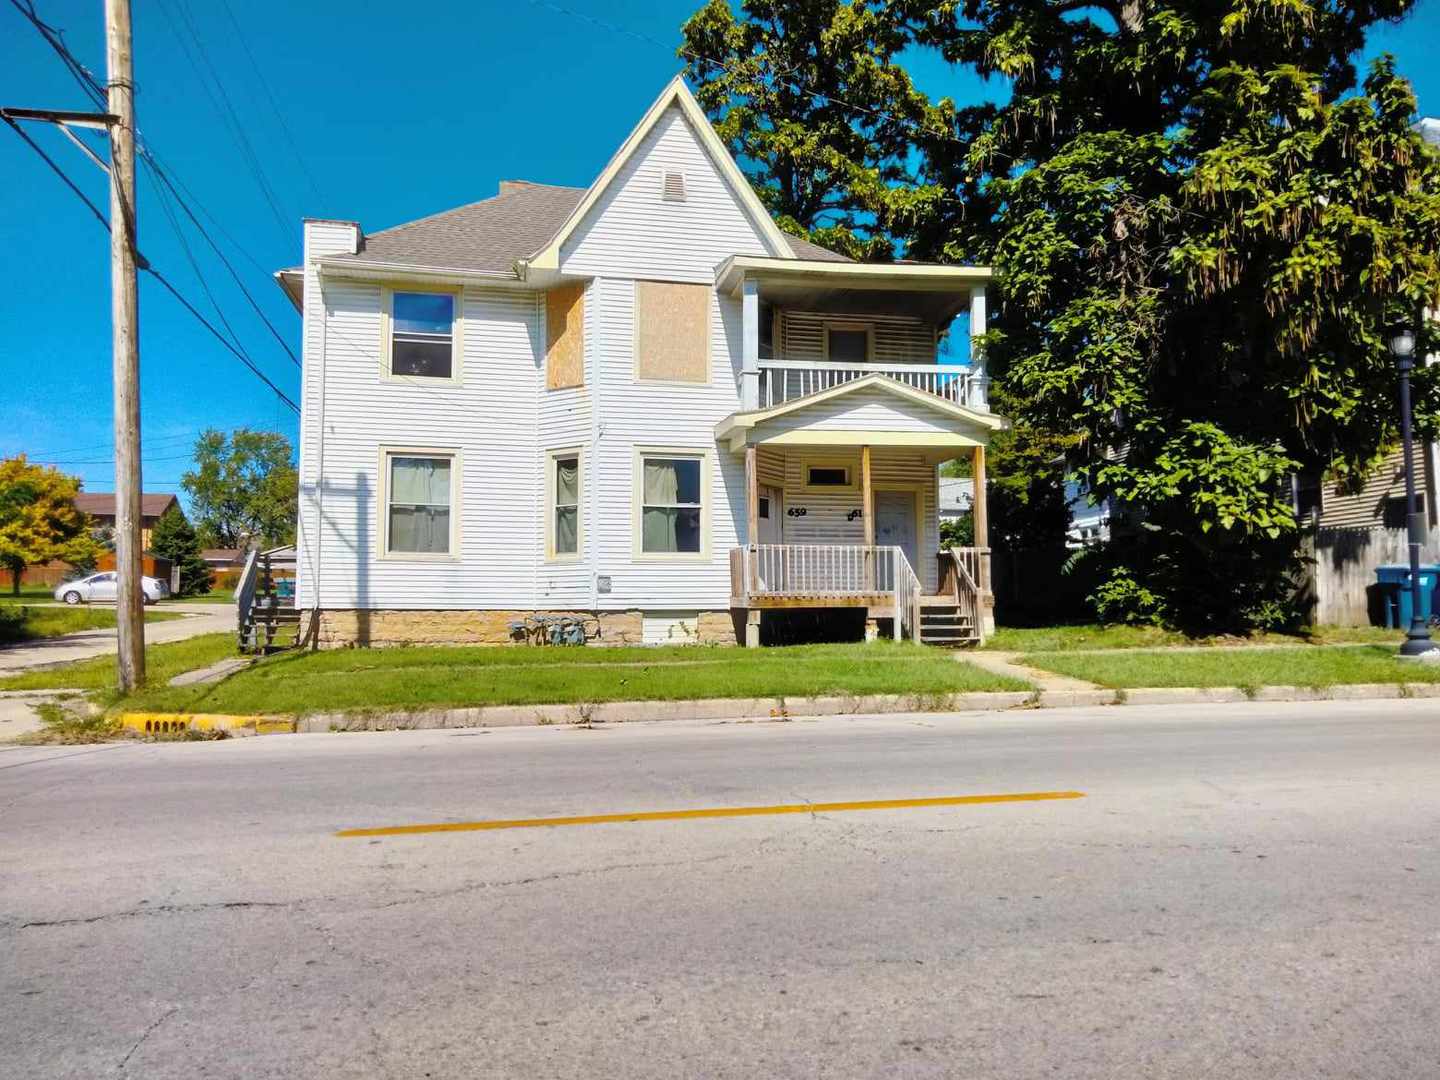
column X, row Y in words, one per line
column 244, row 490
column 38, row 519
column 1201, row 226
column 173, row 538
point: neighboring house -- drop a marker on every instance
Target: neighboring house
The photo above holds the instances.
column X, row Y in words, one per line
column 957, row 494
column 639, row 401
column 100, row 505
column 222, row 559
column 1089, row 519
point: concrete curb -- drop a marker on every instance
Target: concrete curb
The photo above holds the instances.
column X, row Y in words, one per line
column 789, row 708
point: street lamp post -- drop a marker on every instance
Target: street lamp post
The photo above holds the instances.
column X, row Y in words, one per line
column 1417, row 638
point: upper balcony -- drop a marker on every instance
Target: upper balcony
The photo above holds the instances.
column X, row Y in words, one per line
column 810, row 326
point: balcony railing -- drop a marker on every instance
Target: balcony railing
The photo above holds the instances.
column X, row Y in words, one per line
column 786, row 380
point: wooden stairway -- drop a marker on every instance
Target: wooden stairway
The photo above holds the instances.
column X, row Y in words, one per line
column 268, row 619
column 944, row 624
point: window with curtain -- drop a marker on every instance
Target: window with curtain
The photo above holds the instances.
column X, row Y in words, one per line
column 565, row 539
column 418, row 493
column 670, row 505
column 422, row 334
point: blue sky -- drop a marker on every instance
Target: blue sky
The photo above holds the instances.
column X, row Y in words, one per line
column 396, row 113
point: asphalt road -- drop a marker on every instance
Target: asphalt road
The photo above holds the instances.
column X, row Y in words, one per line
column 1247, row 891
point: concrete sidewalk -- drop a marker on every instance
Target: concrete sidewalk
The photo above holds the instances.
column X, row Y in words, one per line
column 199, row 619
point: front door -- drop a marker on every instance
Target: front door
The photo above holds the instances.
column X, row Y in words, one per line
column 895, row 523
column 771, row 513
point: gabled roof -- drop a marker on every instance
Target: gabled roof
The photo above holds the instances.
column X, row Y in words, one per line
column 736, row 426
column 677, row 94
column 491, row 235
column 525, row 224
column 102, row 503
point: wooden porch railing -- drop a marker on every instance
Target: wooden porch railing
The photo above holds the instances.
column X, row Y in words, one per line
column 828, row 573
column 785, row 380
column 962, row 572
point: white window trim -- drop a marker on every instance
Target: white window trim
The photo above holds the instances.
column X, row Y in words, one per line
column 457, row 335
column 848, row 324
column 849, row 464
column 637, row 505
column 635, row 375
column 382, row 530
column 552, row 456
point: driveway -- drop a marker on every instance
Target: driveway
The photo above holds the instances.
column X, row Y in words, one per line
column 1246, row 891
column 199, row 619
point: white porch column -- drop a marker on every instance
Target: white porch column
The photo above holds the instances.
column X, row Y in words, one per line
column 979, row 393
column 750, row 344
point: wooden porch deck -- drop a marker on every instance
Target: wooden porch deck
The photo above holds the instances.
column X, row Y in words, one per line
column 778, row 577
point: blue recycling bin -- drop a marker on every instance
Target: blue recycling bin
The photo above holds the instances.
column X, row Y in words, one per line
column 1394, row 584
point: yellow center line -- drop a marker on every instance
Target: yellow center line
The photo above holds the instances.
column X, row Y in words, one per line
column 712, row 812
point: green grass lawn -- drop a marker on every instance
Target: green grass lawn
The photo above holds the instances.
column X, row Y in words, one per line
column 1094, row 636
column 20, row 623
column 29, row 594
column 1247, row 668
column 372, row 680
column 161, row 663
column 214, row 596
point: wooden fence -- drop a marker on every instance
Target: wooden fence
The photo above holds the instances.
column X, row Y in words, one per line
column 1342, row 570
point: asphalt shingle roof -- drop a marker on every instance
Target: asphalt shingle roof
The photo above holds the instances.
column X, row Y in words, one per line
column 490, row 235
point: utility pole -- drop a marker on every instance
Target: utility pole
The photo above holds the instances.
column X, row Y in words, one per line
column 125, row 320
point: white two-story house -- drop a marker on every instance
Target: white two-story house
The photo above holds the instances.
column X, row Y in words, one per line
column 639, row 402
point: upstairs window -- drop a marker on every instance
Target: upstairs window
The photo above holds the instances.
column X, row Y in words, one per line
column 422, row 334
column 672, row 332
column 848, row 343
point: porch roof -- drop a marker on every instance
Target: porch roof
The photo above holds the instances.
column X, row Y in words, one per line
column 952, row 425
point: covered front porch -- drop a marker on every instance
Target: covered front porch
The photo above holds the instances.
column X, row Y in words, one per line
column 840, row 515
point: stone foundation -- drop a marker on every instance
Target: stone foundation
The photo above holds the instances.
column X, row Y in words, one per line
column 351, row 628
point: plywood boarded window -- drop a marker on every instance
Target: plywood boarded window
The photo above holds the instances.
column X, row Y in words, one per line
column 672, row 332
column 565, row 336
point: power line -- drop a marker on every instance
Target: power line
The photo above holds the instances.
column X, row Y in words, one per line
column 92, row 87
column 145, row 265
column 274, row 104
column 221, row 100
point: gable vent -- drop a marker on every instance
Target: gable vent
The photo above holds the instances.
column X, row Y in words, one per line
column 674, row 187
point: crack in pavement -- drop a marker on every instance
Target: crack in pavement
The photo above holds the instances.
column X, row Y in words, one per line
column 160, row 909
column 478, row 886
column 145, row 1035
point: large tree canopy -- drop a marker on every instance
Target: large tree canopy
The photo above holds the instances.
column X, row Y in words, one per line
column 243, row 490
column 1201, row 227
column 38, row 518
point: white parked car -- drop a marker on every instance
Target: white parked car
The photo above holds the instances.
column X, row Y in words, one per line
column 101, row 588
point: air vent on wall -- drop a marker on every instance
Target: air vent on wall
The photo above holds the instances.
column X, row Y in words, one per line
column 674, row 189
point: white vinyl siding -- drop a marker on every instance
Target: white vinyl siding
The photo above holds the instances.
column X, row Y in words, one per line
column 871, row 409
column 633, row 232
column 490, row 421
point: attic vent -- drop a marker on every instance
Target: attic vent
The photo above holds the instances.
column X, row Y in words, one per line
column 674, row 189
